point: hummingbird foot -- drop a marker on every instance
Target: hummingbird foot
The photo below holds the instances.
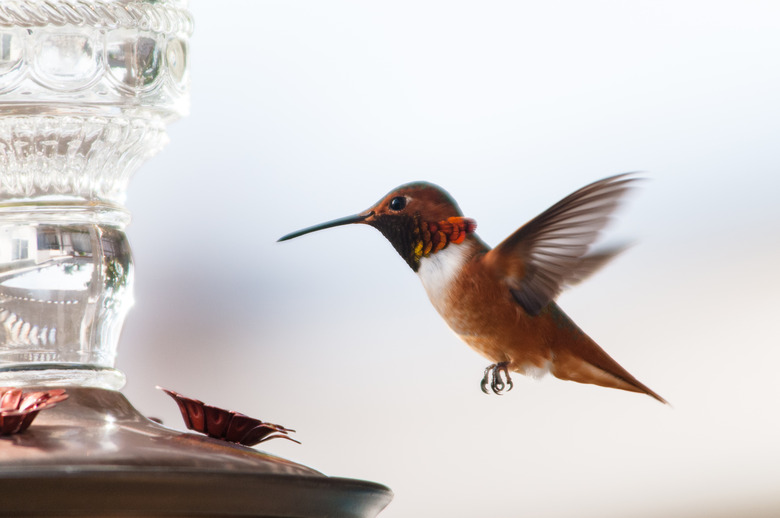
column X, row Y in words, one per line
column 495, row 381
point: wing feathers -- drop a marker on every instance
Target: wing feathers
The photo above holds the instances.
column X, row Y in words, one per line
column 550, row 252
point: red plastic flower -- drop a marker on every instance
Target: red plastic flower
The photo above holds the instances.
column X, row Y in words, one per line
column 226, row 424
column 17, row 409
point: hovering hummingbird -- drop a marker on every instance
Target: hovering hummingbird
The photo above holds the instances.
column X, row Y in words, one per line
column 501, row 301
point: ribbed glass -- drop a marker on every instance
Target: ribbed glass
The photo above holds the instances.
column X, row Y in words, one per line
column 86, row 89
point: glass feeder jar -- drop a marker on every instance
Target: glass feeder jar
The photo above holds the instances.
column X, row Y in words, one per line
column 87, row 88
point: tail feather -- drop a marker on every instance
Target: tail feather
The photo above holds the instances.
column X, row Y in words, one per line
column 598, row 368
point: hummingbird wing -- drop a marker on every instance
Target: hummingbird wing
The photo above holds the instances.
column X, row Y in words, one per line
column 593, row 262
column 550, row 252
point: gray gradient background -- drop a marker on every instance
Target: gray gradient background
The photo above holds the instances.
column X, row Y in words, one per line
column 307, row 111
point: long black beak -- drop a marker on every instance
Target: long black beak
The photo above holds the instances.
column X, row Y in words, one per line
column 357, row 218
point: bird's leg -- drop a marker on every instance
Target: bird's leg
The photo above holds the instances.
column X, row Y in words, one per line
column 502, row 367
column 493, row 378
column 498, row 385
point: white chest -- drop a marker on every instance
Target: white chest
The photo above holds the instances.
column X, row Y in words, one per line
column 439, row 271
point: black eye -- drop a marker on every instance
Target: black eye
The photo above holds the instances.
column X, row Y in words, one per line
column 398, row 203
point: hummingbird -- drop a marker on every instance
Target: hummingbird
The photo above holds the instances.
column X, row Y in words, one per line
column 501, row 301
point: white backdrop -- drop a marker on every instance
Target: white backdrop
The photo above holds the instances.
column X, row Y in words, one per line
column 306, row 111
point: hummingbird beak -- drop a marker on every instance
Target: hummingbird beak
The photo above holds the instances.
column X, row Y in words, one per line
column 357, row 218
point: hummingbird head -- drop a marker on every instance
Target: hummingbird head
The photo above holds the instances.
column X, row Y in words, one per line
column 417, row 218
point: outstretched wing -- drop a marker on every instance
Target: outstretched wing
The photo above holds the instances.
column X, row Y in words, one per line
column 550, row 252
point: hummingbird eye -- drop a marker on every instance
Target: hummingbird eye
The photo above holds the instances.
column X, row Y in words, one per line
column 398, row 203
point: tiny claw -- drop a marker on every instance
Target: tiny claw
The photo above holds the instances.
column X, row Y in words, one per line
column 493, row 378
column 498, row 384
column 504, row 367
column 485, row 379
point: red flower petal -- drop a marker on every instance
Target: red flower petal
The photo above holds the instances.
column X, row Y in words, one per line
column 226, row 424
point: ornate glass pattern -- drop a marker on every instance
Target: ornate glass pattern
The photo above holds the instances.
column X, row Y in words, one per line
column 86, row 89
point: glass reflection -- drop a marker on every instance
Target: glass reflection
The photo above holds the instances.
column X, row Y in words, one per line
column 64, row 291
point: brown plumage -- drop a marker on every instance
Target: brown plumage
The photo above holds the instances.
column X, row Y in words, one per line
column 501, row 301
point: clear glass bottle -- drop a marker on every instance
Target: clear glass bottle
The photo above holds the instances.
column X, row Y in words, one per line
column 86, row 89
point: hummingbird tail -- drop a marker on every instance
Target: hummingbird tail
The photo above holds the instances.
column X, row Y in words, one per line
column 601, row 370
